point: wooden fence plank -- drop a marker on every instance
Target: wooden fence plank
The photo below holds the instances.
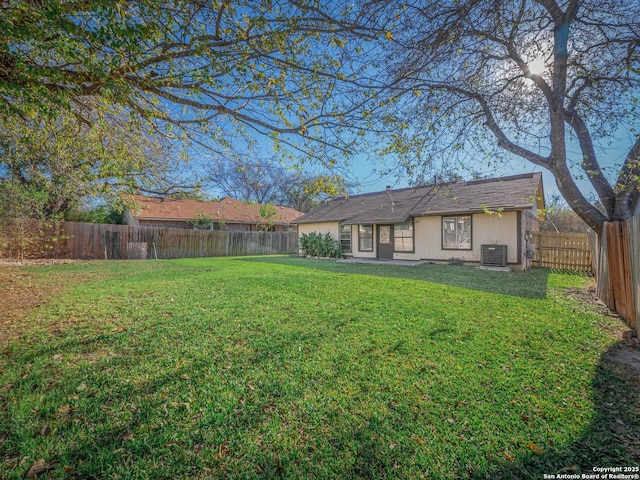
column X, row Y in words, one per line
column 632, row 317
column 603, row 289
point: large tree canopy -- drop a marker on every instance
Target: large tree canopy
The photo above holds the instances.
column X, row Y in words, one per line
column 259, row 65
column 209, row 73
column 548, row 81
column 49, row 167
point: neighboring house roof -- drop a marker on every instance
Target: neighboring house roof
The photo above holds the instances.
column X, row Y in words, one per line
column 518, row 192
column 228, row 209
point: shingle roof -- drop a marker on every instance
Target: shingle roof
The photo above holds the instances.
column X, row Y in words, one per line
column 516, row 192
column 228, row 209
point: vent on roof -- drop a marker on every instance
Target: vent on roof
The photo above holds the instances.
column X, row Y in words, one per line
column 493, row 255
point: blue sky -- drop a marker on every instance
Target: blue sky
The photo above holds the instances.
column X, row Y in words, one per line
column 367, row 172
column 610, row 155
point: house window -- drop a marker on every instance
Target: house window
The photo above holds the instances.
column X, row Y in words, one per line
column 345, row 238
column 403, row 237
column 456, row 233
column 365, row 238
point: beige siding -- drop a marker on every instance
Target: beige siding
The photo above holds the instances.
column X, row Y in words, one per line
column 485, row 228
column 406, row 256
column 502, row 229
column 328, row 227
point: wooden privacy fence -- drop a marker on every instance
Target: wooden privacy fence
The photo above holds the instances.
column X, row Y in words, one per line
column 563, row 251
column 100, row 241
column 618, row 269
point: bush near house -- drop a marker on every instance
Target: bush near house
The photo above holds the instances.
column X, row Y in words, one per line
column 316, row 244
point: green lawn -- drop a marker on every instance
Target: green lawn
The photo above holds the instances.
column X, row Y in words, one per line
column 280, row 367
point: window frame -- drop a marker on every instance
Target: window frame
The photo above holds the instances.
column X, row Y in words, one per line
column 413, row 236
column 456, row 217
column 361, row 237
column 343, row 238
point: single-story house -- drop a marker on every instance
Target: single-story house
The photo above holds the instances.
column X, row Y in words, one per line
column 225, row 214
column 485, row 221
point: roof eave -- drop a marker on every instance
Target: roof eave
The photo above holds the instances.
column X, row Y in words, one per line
column 227, row 220
column 358, row 220
column 375, row 220
column 304, row 222
column 511, row 208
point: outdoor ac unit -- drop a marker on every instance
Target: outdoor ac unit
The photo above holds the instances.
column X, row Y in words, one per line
column 493, row 255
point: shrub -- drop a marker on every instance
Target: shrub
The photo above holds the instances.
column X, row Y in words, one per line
column 316, row 244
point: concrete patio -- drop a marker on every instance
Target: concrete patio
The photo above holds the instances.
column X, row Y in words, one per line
column 376, row 261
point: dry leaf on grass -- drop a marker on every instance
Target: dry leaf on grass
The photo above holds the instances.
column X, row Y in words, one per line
column 39, row 467
column 535, row 449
